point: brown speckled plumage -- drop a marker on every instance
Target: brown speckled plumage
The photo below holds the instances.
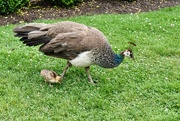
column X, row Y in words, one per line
column 79, row 44
column 50, row 76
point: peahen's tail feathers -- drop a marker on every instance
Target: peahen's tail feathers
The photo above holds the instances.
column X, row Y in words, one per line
column 32, row 34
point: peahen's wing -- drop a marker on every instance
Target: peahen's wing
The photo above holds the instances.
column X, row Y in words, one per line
column 67, row 45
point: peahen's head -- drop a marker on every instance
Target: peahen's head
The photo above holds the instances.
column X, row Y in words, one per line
column 128, row 53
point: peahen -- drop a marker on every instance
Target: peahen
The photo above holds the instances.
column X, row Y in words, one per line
column 81, row 45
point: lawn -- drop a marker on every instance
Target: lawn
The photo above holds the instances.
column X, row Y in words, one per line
column 145, row 89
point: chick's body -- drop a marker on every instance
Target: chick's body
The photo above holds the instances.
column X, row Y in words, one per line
column 50, row 76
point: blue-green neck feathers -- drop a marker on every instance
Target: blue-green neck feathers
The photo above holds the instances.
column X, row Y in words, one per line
column 118, row 59
column 110, row 61
column 106, row 58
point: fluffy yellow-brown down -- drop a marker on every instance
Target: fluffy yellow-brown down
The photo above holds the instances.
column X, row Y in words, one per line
column 50, row 76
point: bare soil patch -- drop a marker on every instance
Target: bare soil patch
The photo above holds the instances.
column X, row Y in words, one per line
column 40, row 10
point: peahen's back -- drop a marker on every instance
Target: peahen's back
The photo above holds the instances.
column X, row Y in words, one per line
column 64, row 39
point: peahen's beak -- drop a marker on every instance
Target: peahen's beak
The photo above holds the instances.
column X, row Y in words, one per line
column 132, row 56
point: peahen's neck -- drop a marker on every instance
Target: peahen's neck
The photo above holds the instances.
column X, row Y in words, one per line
column 106, row 58
column 118, row 58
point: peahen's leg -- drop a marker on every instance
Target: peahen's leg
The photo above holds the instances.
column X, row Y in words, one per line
column 89, row 75
column 65, row 69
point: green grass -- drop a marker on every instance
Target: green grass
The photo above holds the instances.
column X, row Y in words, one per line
column 145, row 89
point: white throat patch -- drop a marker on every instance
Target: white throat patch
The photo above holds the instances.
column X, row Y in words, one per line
column 127, row 53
